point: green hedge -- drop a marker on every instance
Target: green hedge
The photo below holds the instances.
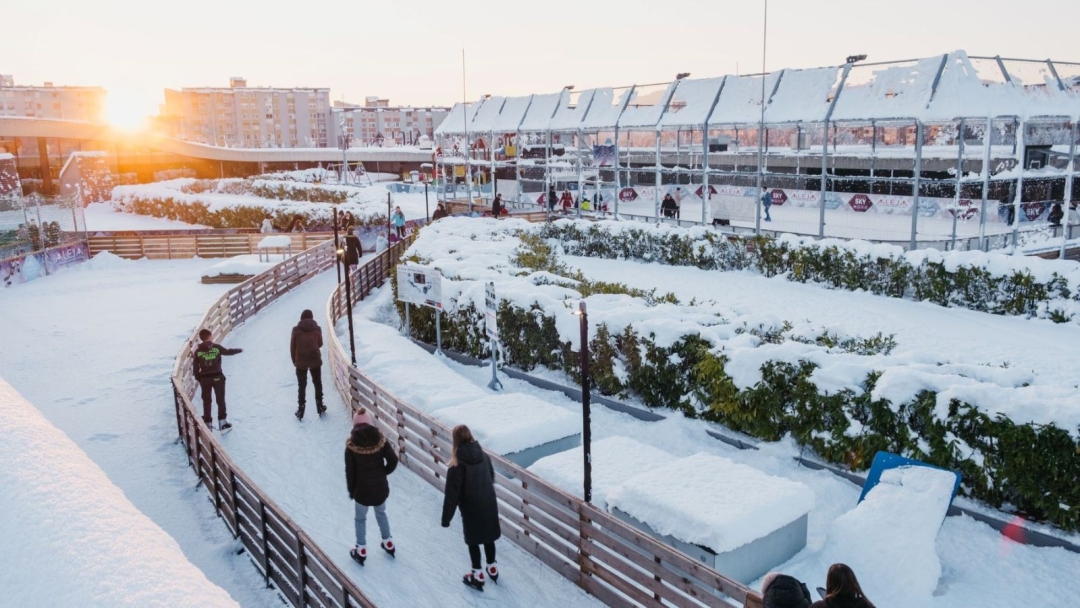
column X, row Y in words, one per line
column 835, row 265
column 237, row 216
column 1027, row 467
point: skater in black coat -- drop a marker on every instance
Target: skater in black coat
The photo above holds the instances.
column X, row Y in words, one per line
column 206, row 367
column 470, row 487
column 842, row 590
column 369, row 459
column 304, row 348
column 783, row 591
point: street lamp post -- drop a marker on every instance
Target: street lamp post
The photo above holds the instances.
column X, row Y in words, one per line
column 337, row 244
column 586, row 413
column 348, row 305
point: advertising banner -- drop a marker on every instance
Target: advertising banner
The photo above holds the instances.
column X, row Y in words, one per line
column 490, row 311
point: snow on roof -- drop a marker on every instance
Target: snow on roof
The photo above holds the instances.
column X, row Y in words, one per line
column 606, row 106
column 456, row 119
column 71, row 537
column 486, row 115
column 803, row 95
column 572, row 110
column 6, row 156
column 740, row 101
column 897, row 523
column 614, row 460
column 691, row 103
column 542, row 109
column 512, row 422
column 645, row 110
column 894, row 90
column 712, row 501
column 513, row 111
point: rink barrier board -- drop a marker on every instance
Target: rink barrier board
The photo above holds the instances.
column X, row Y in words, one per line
column 227, row 244
column 616, row 563
column 288, row 559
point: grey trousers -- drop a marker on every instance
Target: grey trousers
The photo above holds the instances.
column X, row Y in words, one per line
column 361, row 522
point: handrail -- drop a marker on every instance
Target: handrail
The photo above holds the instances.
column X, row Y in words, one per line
column 607, row 558
column 280, row 549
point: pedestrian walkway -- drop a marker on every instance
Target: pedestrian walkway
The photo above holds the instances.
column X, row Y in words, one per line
column 300, row 465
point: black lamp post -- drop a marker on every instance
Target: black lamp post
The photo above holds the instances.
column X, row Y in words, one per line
column 586, row 413
column 348, row 303
column 337, row 244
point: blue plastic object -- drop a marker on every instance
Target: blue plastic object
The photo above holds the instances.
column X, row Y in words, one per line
column 883, row 461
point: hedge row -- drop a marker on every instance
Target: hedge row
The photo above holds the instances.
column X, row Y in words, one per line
column 1027, row 467
column 992, row 283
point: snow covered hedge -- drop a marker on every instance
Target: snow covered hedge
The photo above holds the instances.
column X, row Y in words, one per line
column 843, row 396
column 243, row 203
column 986, row 282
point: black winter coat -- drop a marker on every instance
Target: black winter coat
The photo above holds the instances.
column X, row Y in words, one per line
column 369, row 458
column 470, row 486
column 439, row 214
column 305, row 344
column 207, row 359
column 843, row 602
column 787, row 592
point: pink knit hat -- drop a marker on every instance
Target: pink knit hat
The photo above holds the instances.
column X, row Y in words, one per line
column 360, row 416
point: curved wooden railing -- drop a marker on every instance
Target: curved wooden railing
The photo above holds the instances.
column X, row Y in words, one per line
column 618, row 564
column 286, row 556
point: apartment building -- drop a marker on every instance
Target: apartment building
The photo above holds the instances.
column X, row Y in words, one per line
column 377, row 123
column 240, row 116
column 48, row 101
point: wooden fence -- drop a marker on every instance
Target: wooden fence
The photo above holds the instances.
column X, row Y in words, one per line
column 613, row 561
column 286, row 556
column 179, row 246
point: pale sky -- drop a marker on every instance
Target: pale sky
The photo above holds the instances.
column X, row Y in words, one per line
column 410, row 51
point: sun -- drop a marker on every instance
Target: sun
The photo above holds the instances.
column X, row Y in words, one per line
column 127, row 110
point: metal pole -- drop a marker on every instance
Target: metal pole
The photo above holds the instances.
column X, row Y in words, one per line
column 348, row 303
column 657, row 179
column 988, row 140
column 705, row 210
column 959, row 177
column 1021, row 146
column 495, row 384
column 337, row 245
column 761, row 126
column 408, row 333
column 918, row 173
column 1069, row 188
column 427, row 210
column 618, row 177
column 586, row 414
column 438, row 331
column 547, row 177
column 580, row 173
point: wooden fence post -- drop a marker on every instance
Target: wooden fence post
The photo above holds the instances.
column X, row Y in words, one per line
column 264, row 536
column 301, row 563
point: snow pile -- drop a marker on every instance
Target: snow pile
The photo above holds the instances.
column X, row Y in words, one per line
column 512, row 422
column 247, row 265
column 278, row 241
column 71, row 537
column 614, row 460
column 712, row 501
column 106, row 260
column 889, row 539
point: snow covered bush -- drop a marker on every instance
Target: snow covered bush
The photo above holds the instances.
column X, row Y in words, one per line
column 843, row 396
column 986, row 282
column 243, row 203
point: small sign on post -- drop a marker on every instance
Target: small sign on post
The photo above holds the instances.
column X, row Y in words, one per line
column 491, row 321
column 422, row 286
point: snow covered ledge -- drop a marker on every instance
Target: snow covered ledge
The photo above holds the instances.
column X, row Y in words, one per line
column 71, row 537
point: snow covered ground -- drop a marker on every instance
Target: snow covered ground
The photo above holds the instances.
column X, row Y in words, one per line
column 300, row 465
column 980, row 567
column 71, row 537
column 92, row 347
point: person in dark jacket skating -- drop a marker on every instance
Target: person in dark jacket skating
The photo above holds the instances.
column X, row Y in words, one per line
column 306, row 357
column 369, row 458
column 470, row 487
column 206, row 366
column 783, row 591
column 497, row 206
column 551, row 198
column 668, row 207
column 842, row 590
column 440, row 212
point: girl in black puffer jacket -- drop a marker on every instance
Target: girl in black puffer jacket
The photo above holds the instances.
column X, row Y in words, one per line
column 470, row 486
column 369, row 458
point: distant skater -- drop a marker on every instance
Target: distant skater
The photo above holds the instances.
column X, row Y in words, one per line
column 470, row 487
column 206, row 365
column 369, row 459
column 398, row 219
column 307, row 358
column 766, row 202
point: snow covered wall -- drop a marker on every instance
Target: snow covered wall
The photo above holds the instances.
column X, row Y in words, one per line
column 71, row 537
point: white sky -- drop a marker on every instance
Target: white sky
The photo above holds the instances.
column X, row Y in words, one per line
column 411, row 51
